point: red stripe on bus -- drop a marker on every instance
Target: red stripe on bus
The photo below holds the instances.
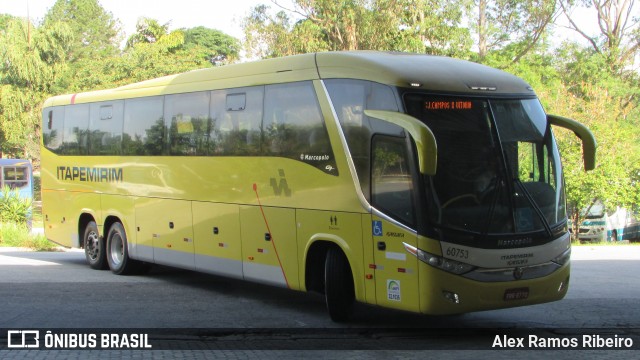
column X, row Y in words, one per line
column 273, row 241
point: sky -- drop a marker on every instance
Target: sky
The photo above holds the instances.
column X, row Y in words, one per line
column 224, row 15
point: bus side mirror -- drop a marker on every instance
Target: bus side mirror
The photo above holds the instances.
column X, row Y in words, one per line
column 421, row 134
column 589, row 144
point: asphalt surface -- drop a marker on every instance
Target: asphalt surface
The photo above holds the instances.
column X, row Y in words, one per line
column 188, row 315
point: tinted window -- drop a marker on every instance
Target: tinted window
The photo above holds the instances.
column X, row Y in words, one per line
column 144, row 129
column 294, row 127
column 350, row 98
column 188, row 122
column 53, row 127
column 392, row 185
column 236, row 118
column 75, row 139
column 105, row 126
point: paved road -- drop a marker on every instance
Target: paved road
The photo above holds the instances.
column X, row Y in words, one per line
column 197, row 311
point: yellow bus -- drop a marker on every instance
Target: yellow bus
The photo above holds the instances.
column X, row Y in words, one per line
column 412, row 182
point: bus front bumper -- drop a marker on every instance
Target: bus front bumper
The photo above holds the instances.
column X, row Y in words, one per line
column 447, row 293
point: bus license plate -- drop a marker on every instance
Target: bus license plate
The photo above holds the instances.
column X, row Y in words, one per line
column 516, row 294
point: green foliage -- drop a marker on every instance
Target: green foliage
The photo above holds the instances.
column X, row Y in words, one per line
column 515, row 26
column 32, row 60
column 152, row 52
column 214, row 45
column 96, row 32
column 426, row 26
column 147, row 31
column 431, row 27
column 17, row 235
column 615, row 33
column 608, row 105
column 13, row 208
column 5, row 19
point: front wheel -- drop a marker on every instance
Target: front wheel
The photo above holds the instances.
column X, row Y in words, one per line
column 94, row 249
column 117, row 252
column 339, row 291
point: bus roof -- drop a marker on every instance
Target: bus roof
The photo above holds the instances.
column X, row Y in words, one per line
column 426, row 72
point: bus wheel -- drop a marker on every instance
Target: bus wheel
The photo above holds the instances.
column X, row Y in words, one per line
column 94, row 249
column 339, row 292
column 117, row 252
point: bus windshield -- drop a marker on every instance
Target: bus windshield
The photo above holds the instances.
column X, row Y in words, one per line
column 498, row 167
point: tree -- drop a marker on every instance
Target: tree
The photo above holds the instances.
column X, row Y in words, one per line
column 425, row 26
column 96, row 31
column 153, row 51
column 433, row 27
column 214, row 45
column 4, row 21
column 32, row 60
column 277, row 35
column 148, row 31
column 618, row 30
column 515, row 24
column 614, row 181
column 270, row 36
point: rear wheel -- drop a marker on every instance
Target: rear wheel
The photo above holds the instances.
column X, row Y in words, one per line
column 94, row 249
column 339, row 291
column 118, row 253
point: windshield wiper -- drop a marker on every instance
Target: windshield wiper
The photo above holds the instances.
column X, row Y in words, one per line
column 498, row 185
column 533, row 204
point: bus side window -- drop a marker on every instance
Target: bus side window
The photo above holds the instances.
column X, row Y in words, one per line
column 350, row 98
column 52, row 127
column 76, row 129
column 294, row 127
column 144, row 130
column 105, row 128
column 236, row 121
column 188, row 121
column 392, row 184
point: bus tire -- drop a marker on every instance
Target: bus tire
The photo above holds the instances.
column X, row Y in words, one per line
column 94, row 247
column 339, row 291
column 118, row 253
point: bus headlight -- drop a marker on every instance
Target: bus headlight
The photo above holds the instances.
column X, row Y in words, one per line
column 449, row 265
column 563, row 258
column 439, row 262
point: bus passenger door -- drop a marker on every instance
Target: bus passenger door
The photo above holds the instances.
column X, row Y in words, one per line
column 392, row 196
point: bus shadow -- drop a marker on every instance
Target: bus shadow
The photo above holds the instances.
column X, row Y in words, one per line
column 304, row 304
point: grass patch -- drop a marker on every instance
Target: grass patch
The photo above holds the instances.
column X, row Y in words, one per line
column 16, row 235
